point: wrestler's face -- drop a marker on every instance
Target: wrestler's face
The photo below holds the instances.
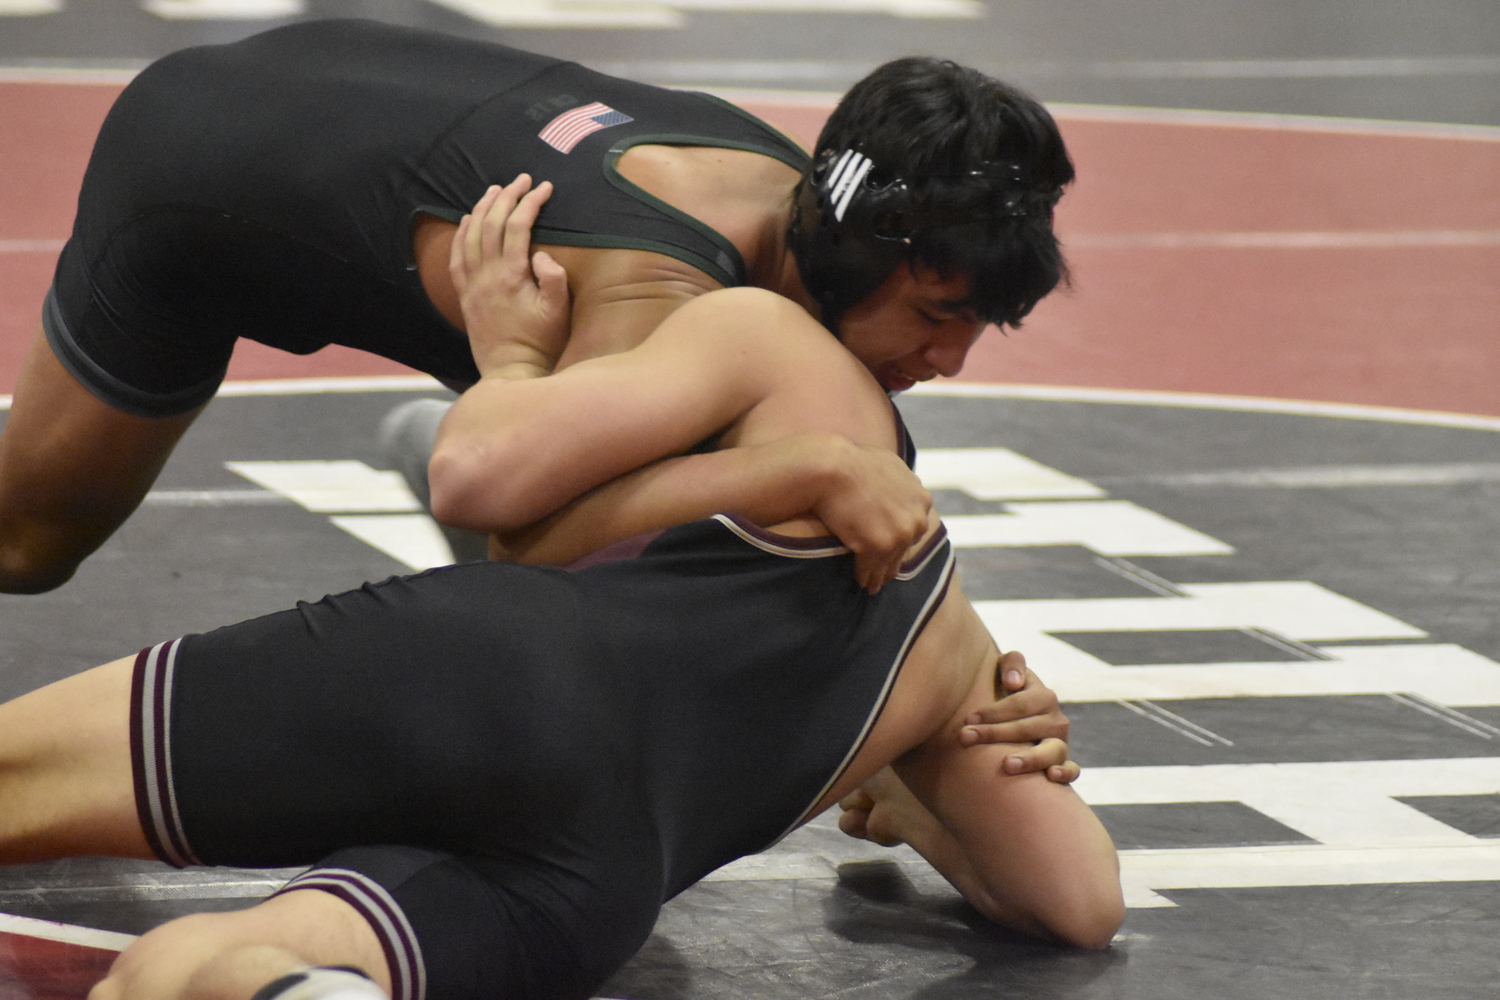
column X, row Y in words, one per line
column 912, row 328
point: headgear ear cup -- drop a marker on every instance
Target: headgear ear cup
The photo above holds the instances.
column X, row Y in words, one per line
column 839, row 256
column 852, row 227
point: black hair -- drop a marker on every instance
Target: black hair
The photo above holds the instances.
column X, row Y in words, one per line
column 962, row 175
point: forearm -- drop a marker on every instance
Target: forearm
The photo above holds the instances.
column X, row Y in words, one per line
column 514, row 449
column 766, row 484
column 479, row 460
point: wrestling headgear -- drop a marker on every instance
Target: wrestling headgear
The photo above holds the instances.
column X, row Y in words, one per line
column 851, row 226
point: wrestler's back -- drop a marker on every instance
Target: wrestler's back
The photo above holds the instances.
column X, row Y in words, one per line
column 313, row 130
column 739, row 194
column 298, row 161
column 264, row 189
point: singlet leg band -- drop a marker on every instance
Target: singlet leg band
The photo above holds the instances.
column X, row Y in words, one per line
column 150, row 754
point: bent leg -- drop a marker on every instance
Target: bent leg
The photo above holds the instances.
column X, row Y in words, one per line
column 66, row 784
column 72, row 469
column 229, row 956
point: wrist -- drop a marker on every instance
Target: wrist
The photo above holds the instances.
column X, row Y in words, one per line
column 510, row 359
column 831, row 467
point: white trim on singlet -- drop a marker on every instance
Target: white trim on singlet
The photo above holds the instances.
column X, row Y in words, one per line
column 782, row 545
column 397, row 937
column 155, row 714
column 823, row 547
column 940, row 587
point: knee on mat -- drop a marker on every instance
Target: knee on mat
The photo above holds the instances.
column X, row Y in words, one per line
column 27, row 570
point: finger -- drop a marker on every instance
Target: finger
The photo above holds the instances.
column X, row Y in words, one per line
column 890, row 570
column 1020, row 705
column 1000, row 732
column 1035, row 699
column 1040, row 757
column 473, row 251
column 551, row 278
column 456, row 269
column 1026, row 729
column 871, row 570
column 522, row 218
column 881, row 567
column 496, row 220
column 912, row 533
column 1064, row 774
column 1012, row 671
column 1007, row 709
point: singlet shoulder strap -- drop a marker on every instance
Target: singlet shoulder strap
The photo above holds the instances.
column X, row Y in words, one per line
column 905, row 446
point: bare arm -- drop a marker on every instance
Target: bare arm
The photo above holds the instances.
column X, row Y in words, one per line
column 512, row 451
column 866, row 496
column 525, row 441
column 531, row 454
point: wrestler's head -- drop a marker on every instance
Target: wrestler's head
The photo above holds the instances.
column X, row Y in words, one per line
column 931, row 184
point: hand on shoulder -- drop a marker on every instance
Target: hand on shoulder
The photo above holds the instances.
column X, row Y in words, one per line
column 515, row 303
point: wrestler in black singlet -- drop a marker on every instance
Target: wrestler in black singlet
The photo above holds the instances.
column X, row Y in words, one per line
column 507, row 769
column 267, row 189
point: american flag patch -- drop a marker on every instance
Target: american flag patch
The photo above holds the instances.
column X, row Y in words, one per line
column 563, row 132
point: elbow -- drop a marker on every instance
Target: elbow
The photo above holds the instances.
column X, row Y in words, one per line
column 466, row 493
column 447, row 489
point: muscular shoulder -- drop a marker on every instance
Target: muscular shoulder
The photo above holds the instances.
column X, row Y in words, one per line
column 766, row 348
column 748, row 307
column 620, row 297
column 766, row 328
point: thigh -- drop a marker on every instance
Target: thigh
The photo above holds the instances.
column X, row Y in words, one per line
column 440, row 709
column 65, row 772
